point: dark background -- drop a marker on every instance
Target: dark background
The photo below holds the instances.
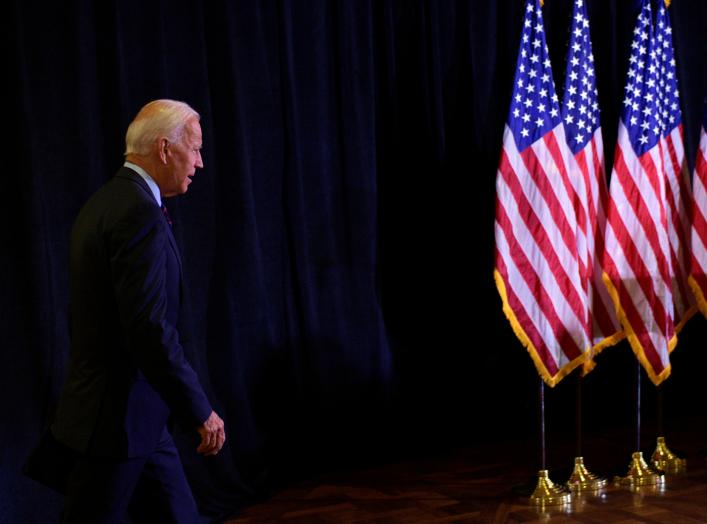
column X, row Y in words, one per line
column 338, row 245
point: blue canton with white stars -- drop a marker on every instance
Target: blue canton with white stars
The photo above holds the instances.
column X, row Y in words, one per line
column 640, row 112
column 669, row 104
column 535, row 109
column 580, row 104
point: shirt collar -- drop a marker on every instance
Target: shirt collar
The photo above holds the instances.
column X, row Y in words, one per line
column 147, row 178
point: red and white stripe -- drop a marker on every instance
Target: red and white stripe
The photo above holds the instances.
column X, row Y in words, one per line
column 637, row 256
column 589, row 164
column 698, row 270
column 538, row 268
column 678, row 199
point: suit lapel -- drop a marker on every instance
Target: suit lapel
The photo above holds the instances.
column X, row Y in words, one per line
column 129, row 174
column 173, row 243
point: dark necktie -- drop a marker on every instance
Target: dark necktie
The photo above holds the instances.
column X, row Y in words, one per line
column 166, row 214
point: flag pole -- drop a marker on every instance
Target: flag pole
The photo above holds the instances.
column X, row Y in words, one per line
column 543, row 453
column 638, row 406
column 581, row 480
column 546, row 493
column 659, row 409
column 639, row 473
column 663, row 459
column 578, row 414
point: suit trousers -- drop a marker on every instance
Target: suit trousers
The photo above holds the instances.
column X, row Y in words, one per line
column 150, row 489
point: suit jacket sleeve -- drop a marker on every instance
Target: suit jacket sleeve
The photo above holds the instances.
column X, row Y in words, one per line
column 139, row 250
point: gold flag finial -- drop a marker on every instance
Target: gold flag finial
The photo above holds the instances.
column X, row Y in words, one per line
column 667, row 3
column 542, row 2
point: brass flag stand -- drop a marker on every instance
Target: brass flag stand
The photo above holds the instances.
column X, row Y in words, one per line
column 546, row 492
column 639, row 473
column 581, row 480
column 663, row 459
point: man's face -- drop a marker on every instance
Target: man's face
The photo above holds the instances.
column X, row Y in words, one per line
column 183, row 159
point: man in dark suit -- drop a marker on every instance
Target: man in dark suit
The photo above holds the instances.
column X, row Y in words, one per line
column 127, row 372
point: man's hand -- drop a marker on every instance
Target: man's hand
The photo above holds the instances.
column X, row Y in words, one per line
column 212, row 435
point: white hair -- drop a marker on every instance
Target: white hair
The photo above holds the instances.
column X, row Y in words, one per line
column 157, row 119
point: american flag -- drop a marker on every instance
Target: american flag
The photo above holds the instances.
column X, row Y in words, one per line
column 538, row 268
column 698, row 272
column 677, row 175
column 580, row 114
column 637, row 256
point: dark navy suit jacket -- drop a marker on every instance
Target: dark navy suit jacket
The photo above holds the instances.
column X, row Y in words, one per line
column 127, row 370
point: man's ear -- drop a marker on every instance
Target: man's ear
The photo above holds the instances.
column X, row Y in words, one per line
column 163, row 148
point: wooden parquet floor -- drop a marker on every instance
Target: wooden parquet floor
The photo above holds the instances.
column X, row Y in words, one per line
column 491, row 484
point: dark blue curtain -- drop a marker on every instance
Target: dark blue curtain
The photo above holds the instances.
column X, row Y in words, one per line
column 338, row 245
